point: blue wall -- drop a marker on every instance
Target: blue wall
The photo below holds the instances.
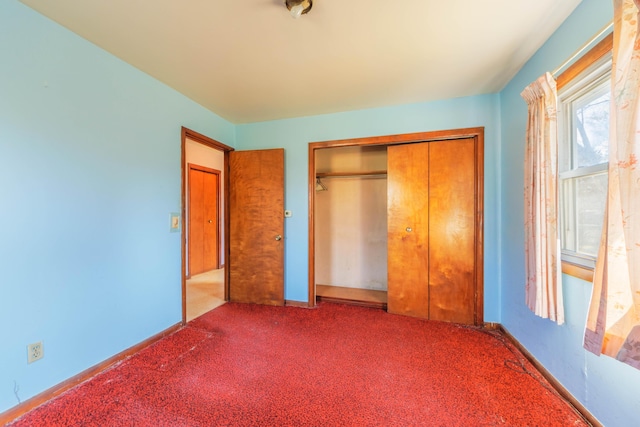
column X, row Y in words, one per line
column 90, row 170
column 89, row 173
column 295, row 135
column 609, row 389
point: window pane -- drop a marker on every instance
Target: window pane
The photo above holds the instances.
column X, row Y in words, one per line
column 591, row 194
column 591, row 118
column 568, row 220
column 583, row 156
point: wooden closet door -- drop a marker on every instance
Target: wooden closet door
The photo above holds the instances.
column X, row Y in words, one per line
column 452, row 247
column 204, row 193
column 432, row 204
column 408, row 229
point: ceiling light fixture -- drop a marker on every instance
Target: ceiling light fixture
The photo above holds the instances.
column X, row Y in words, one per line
column 298, row 7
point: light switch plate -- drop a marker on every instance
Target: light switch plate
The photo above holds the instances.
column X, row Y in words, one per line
column 175, row 222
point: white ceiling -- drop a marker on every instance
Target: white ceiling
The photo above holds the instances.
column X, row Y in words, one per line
column 249, row 61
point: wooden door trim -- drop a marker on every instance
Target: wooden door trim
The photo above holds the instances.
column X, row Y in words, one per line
column 212, row 143
column 194, row 166
column 477, row 133
column 479, row 146
column 203, row 168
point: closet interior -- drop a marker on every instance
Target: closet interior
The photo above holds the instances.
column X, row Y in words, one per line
column 351, row 225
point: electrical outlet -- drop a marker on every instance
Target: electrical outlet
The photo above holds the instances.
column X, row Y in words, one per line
column 35, row 352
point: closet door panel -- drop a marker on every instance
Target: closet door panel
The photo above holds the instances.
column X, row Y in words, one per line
column 408, row 229
column 452, row 202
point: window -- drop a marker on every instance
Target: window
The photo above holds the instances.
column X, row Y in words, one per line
column 583, row 144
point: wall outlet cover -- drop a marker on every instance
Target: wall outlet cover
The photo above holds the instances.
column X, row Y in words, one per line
column 35, row 352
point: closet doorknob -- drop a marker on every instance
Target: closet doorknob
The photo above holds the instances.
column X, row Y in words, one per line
column 409, row 229
column 278, row 237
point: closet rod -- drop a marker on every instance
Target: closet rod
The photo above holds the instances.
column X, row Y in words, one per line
column 348, row 174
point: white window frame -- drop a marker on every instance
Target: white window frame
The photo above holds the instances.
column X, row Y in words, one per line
column 593, row 78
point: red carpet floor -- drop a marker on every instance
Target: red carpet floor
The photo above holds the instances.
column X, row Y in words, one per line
column 247, row 365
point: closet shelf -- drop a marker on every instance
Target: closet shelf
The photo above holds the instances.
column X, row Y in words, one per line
column 348, row 174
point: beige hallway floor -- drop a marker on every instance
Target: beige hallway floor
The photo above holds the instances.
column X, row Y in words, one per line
column 205, row 292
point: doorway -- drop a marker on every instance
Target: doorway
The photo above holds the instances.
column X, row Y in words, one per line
column 205, row 224
column 252, row 225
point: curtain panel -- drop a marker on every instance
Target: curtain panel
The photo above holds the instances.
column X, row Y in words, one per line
column 613, row 323
column 542, row 244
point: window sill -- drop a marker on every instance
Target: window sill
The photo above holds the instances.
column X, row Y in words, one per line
column 584, row 273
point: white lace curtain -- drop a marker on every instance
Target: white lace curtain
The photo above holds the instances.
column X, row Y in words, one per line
column 613, row 324
column 542, row 244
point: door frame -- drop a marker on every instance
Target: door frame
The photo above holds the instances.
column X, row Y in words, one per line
column 477, row 133
column 216, row 145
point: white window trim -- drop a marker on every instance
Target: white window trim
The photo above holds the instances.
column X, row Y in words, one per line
column 598, row 73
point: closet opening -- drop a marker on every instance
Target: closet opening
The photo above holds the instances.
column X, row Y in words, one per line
column 350, row 225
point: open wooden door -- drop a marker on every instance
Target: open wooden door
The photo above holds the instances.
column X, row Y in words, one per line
column 256, row 229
